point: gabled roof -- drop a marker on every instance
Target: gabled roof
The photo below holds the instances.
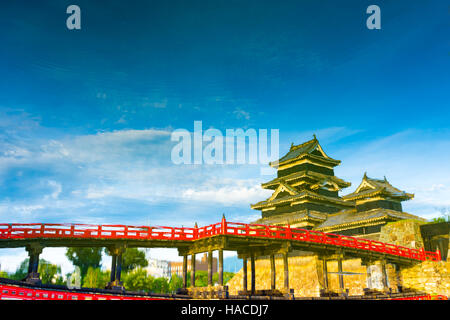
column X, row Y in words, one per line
column 309, row 148
column 291, row 178
column 370, row 187
column 352, row 219
column 283, row 187
column 302, row 195
column 294, row 217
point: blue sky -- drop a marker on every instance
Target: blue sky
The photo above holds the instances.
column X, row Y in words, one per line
column 86, row 115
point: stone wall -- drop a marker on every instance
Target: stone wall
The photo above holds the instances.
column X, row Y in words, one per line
column 403, row 233
column 302, row 276
column 429, row 276
column 306, row 277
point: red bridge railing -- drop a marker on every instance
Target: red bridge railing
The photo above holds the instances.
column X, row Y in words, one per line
column 86, row 231
column 20, row 293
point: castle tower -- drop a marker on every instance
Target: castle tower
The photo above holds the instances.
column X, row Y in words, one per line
column 377, row 193
column 376, row 203
column 305, row 190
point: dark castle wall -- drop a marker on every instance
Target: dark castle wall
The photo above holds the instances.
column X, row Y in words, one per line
column 305, row 166
column 385, row 204
column 303, row 206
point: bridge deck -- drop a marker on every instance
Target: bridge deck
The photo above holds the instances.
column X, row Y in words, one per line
column 223, row 235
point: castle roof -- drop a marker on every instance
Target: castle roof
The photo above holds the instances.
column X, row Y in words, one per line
column 294, row 217
column 350, row 218
column 300, row 196
column 370, row 187
column 311, row 149
column 293, row 177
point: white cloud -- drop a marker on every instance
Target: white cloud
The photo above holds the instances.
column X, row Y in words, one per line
column 227, row 195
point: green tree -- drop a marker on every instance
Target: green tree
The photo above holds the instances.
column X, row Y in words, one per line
column 160, row 285
column 226, row 277
column 96, row 278
column 133, row 258
column 138, row 280
column 48, row 272
column 85, row 258
column 22, row 271
column 175, row 283
column 201, row 278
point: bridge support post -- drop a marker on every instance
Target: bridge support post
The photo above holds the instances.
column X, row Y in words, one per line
column 185, row 258
column 286, row 271
column 341, row 276
column 210, row 268
column 116, row 268
column 272, row 272
column 193, row 270
column 119, row 266
column 244, row 274
column 325, row 274
column 384, row 277
column 220, row 267
column 113, row 268
column 253, row 278
column 33, row 266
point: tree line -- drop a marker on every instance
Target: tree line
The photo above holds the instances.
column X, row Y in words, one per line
column 134, row 275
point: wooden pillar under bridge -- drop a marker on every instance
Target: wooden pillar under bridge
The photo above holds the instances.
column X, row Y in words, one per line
column 384, row 278
column 325, row 273
column 341, row 276
column 33, row 265
column 253, row 278
column 244, row 273
column 272, row 272
column 210, row 268
column 286, row 271
column 113, row 268
column 116, row 267
column 193, row 270
column 368, row 276
column 119, row 266
column 220, row 267
column 185, row 258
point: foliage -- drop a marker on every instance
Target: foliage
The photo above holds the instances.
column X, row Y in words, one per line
column 22, row 271
column 226, row 277
column 4, row 274
column 201, row 278
column 160, row 285
column 96, row 278
column 132, row 258
column 445, row 215
column 138, row 280
column 175, row 283
column 85, row 258
column 441, row 219
column 49, row 272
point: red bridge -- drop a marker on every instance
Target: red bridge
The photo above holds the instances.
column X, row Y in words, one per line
column 248, row 240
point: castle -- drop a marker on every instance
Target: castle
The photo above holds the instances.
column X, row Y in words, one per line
column 306, row 195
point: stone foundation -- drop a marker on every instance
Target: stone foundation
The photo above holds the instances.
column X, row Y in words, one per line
column 306, row 276
column 429, row 276
column 404, row 233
